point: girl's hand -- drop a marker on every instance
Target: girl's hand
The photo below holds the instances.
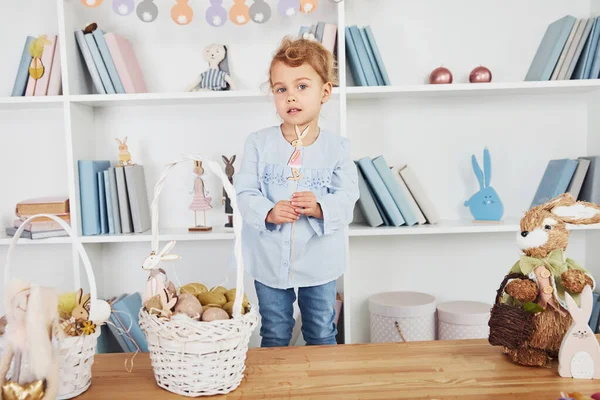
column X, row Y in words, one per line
column 306, row 203
column 282, row 212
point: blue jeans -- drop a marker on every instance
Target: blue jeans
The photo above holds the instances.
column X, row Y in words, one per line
column 317, row 308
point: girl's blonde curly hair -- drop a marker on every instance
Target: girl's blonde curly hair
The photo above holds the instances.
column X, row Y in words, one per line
column 295, row 52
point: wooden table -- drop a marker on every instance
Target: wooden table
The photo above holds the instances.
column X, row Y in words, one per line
column 470, row 369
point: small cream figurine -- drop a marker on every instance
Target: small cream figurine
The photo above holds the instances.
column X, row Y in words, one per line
column 124, row 155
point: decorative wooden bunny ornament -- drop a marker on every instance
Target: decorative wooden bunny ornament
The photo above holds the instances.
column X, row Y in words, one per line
column 579, row 354
column 485, row 205
column 217, row 76
column 124, row 155
column 295, row 161
column 157, row 280
column 32, row 321
column 200, row 201
column 229, row 171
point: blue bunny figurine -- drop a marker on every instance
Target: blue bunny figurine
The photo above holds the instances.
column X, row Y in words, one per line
column 485, row 205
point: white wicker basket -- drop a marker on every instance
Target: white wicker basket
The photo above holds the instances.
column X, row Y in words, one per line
column 76, row 354
column 198, row 358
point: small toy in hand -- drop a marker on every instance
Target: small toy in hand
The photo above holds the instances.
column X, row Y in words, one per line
column 579, row 353
column 485, row 205
column 547, row 276
column 229, row 171
column 217, row 76
column 32, row 319
column 124, row 155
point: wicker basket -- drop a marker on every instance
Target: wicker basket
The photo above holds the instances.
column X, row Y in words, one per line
column 198, row 358
column 510, row 325
column 76, row 353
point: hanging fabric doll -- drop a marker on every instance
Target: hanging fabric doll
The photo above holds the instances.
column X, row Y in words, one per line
column 217, row 76
column 32, row 320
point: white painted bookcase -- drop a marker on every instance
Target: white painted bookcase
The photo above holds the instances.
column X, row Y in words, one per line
column 434, row 129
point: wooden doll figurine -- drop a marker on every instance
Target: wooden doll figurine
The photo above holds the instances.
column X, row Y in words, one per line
column 229, row 171
column 124, row 155
column 200, row 202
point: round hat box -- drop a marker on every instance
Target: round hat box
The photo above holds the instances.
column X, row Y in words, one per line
column 402, row 316
column 463, row 320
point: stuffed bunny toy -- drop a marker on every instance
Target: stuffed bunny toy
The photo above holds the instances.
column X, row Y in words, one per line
column 548, row 276
column 485, row 205
column 32, row 321
column 579, row 353
column 217, row 76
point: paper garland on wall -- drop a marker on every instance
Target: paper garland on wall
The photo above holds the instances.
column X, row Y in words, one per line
column 260, row 11
column 216, row 14
column 308, row 6
column 288, row 8
column 91, row 3
column 123, row 7
column 239, row 13
column 182, row 13
column 147, row 11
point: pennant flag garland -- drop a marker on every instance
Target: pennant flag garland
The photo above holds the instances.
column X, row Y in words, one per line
column 216, row 14
column 147, row 11
column 239, row 13
column 260, row 11
column 91, row 3
column 182, row 13
column 123, row 7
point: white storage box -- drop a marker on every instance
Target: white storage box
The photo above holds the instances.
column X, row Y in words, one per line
column 463, row 320
column 402, row 316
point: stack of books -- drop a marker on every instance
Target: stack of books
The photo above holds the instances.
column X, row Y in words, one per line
column 575, row 176
column 50, row 82
column 322, row 32
column 123, row 334
column 364, row 58
column 568, row 50
column 110, row 61
column 41, row 227
column 113, row 199
column 392, row 196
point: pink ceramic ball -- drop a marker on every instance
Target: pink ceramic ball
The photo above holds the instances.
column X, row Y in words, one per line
column 440, row 75
column 480, row 74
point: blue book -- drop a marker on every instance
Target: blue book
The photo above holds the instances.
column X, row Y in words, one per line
column 126, row 312
column 550, row 48
column 381, row 192
column 363, row 56
column 108, row 61
column 23, row 72
column 353, row 61
column 102, row 71
column 367, row 203
column 88, row 193
column 371, row 55
column 109, row 206
column 102, row 203
column 555, row 180
column 377, row 54
column 395, row 190
column 584, row 64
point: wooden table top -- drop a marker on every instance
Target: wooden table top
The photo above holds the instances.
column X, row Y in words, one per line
column 469, row 369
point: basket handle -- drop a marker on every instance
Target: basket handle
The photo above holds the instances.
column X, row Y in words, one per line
column 99, row 309
column 237, row 220
column 514, row 275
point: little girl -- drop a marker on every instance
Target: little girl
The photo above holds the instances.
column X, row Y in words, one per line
column 296, row 191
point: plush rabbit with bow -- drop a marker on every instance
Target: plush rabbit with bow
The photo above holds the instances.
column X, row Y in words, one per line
column 32, row 321
column 549, row 275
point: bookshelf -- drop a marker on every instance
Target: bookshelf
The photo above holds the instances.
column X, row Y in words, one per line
column 434, row 129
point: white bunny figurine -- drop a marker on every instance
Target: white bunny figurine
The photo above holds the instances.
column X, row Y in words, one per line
column 579, row 354
column 157, row 281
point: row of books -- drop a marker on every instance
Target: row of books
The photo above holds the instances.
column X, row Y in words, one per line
column 392, row 196
column 41, row 227
column 322, row 32
column 364, row 58
column 110, row 61
column 113, row 199
column 575, row 176
column 568, row 50
column 47, row 64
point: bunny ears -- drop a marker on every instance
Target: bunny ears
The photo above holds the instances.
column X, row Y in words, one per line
column 484, row 180
column 122, row 142
column 302, row 134
column 571, row 211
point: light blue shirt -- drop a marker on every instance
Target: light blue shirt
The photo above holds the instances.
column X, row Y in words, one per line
column 319, row 245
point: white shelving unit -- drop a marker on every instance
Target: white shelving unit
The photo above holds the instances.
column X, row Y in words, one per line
column 435, row 129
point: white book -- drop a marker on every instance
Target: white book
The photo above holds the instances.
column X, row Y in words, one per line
column 138, row 198
column 411, row 200
column 563, row 53
column 413, row 184
column 126, row 226
column 114, row 200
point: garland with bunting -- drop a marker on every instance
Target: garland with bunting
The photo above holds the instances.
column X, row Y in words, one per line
column 216, row 14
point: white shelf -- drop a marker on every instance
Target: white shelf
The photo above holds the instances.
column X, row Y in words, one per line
column 476, row 89
column 24, row 102
column 5, row 240
column 178, row 234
